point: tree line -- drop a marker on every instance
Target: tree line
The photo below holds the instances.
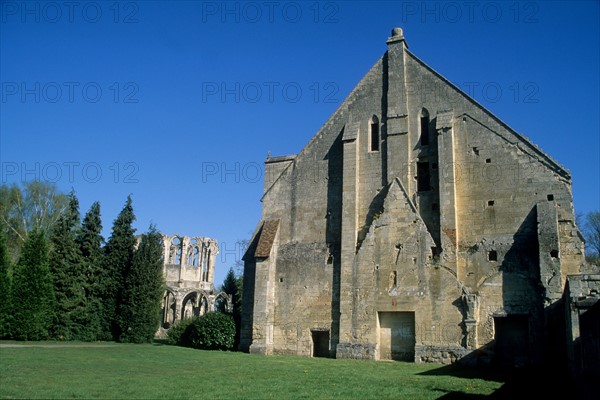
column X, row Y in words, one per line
column 60, row 280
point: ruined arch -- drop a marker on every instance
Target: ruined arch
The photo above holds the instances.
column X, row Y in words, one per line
column 194, row 304
column 175, row 250
column 193, row 256
column 169, row 309
column 222, row 302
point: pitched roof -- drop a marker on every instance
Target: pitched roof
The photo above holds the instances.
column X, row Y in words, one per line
column 267, row 237
column 262, row 241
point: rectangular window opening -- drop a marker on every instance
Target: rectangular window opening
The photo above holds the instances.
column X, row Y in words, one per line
column 550, row 197
column 423, row 183
column 374, row 137
column 493, row 255
column 424, row 131
column 490, row 203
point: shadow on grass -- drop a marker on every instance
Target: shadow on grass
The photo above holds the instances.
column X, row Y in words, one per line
column 461, row 371
column 518, row 383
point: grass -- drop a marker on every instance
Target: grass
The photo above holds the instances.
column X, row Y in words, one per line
column 159, row 371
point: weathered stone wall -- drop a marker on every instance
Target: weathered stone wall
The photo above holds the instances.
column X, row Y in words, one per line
column 411, row 247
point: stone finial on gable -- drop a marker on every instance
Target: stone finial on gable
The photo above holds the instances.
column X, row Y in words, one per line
column 397, row 36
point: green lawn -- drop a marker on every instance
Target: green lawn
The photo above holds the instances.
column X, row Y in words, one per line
column 159, row 371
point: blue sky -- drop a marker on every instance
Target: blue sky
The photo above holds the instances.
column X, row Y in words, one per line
column 177, row 103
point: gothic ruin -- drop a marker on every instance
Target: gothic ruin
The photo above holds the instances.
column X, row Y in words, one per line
column 415, row 225
column 189, row 269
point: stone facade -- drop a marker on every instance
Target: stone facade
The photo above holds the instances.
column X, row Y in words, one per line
column 415, row 225
column 189, row 269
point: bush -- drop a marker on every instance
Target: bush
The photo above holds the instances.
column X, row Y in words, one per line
column 175, row 333
column 212, row 331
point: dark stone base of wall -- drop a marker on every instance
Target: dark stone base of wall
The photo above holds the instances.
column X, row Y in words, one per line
column 364, row 351
column 439, row 353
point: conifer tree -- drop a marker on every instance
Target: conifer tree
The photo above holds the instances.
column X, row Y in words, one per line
column 32, row 285
column 5, row 288
column 66, row 267
column 232, row 286
column 143, row 291
column 117, row 261
column 90, row 242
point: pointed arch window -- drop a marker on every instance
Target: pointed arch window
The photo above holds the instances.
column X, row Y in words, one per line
column 175, row 251
column 194, row 255
column 424, row 127
column 374, row 133
column 205, row 257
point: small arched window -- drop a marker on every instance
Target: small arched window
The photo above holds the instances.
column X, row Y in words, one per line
column 424, row 127
column 374, row 133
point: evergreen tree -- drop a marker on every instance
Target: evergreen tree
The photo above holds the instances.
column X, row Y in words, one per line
column 143, row 291
column 90, row 242
column 232, row 286
column 5, row 295
column 117, row 261
column 71, row 319
column 32, row 285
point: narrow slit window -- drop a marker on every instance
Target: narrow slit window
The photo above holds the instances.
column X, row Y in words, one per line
column 424, row 127
column 374, row 137
column 423, row 184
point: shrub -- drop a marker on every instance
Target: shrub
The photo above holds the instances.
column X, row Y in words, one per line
column 175, row 333
column 212, row 331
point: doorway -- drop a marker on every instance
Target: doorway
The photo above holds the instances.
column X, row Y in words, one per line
column 320, row 340
column 397, row 336
column 512, row 340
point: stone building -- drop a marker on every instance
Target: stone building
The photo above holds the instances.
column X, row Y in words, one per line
column 189, row 269
column 414, row 225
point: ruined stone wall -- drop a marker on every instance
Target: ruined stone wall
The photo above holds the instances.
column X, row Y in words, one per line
column 581, row 314
column 188, row 267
